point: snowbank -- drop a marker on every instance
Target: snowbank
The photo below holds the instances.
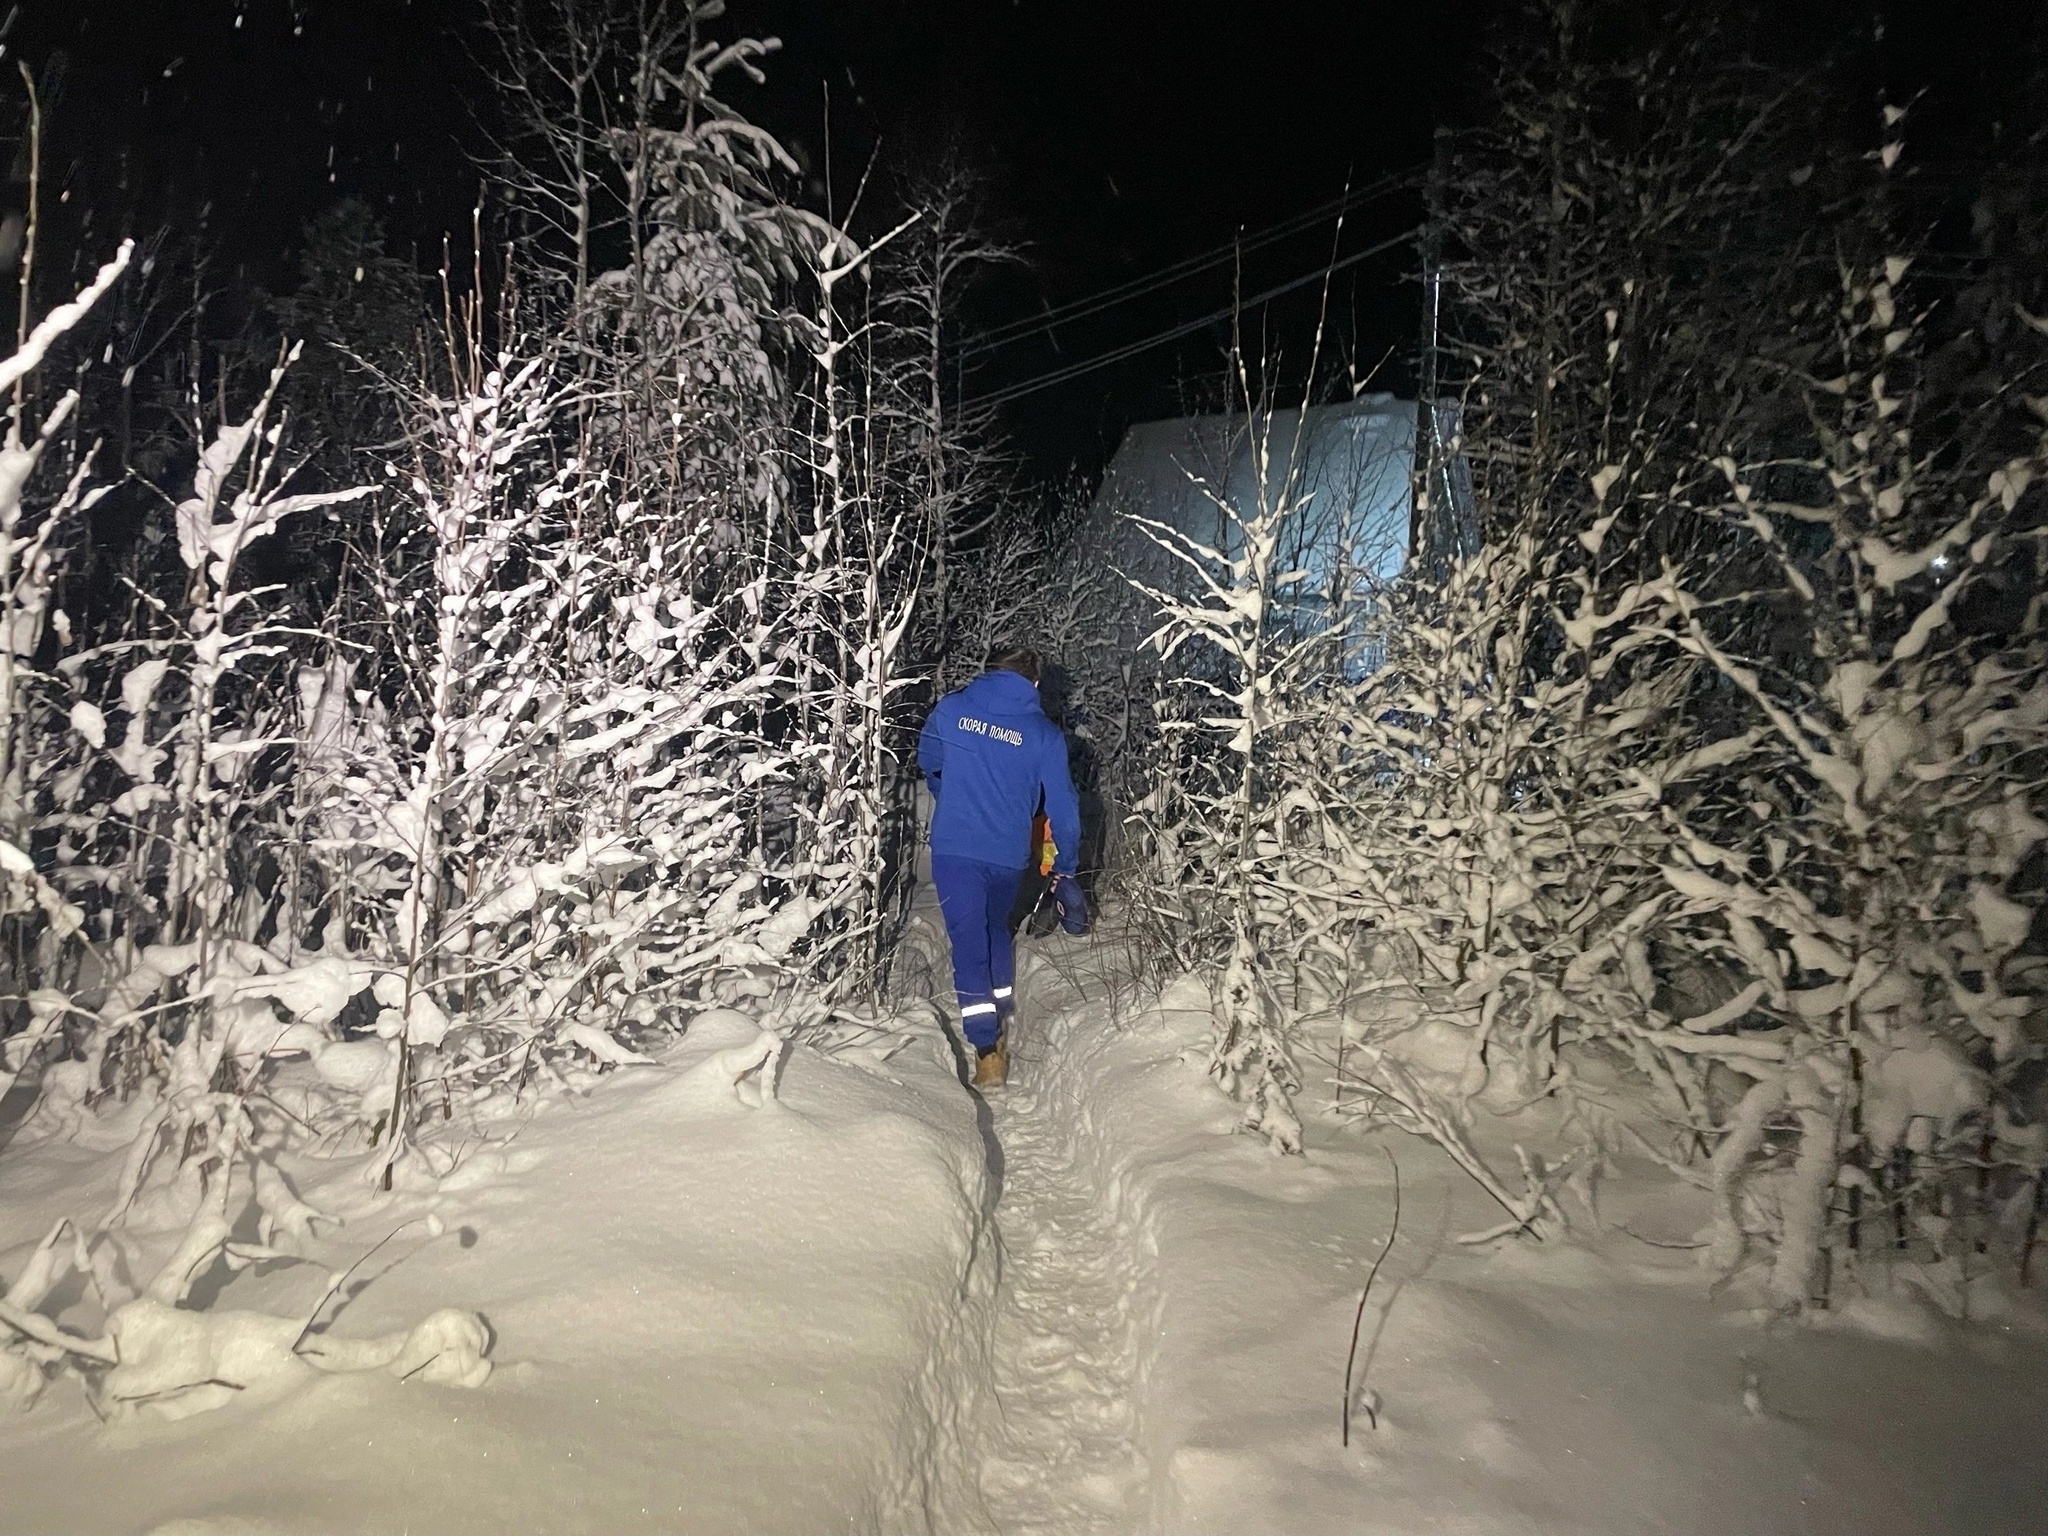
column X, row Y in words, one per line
column 706, row 1314
column 1560, row 1387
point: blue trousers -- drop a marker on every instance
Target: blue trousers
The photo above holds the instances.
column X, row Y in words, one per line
column 975, row 898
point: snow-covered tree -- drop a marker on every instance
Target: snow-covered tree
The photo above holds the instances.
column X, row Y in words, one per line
column 583, row 719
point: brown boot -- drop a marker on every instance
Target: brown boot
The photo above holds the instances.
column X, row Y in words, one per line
column 992, row 1067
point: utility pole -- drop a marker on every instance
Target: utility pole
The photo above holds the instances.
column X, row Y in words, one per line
column 1426, row 520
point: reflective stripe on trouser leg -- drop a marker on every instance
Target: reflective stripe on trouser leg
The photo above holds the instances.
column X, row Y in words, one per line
column 974, row 898
column 981, row 1024
column 1006, row 1001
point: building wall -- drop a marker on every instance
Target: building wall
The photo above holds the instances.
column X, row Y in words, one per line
column 1337, row 476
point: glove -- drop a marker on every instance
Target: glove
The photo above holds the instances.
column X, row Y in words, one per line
column 1071, row 905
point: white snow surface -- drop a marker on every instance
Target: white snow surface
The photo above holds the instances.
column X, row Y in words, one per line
column 873, row 1303
column 1585, row 1385
column 706, row 1317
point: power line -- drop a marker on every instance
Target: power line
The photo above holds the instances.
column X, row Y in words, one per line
column 1088, row 365
column 1187, row 266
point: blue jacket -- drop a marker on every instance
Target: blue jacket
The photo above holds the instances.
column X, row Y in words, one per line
column 987, row 753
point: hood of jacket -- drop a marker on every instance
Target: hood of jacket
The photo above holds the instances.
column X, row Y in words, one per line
column 1003, row 692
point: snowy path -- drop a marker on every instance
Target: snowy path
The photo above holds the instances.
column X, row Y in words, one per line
column 780, row 1321
column 1168, row 1343
column 1059, row 1455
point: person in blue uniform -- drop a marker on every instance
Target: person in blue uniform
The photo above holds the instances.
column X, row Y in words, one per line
column 990, row 758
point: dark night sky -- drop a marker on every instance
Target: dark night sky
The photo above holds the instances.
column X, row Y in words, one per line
column 1127, row 136
column 1120, row 135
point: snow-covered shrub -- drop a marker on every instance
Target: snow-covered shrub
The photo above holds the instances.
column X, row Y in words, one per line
column 1469, row 832
column 1256, row 635
column 1481, row 827
column 755, row 378
column 1797, row 788
column 583, row 721
column 1700, row 806
column 985, row 554
column 157, row 1356
column 45, row 928
column 1863, row 870
column 147, row 983
column 1212, row 837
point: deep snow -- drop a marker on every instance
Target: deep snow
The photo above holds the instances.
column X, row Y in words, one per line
column 875, row 1303
column 707, row 1317
column 1586, row 1385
